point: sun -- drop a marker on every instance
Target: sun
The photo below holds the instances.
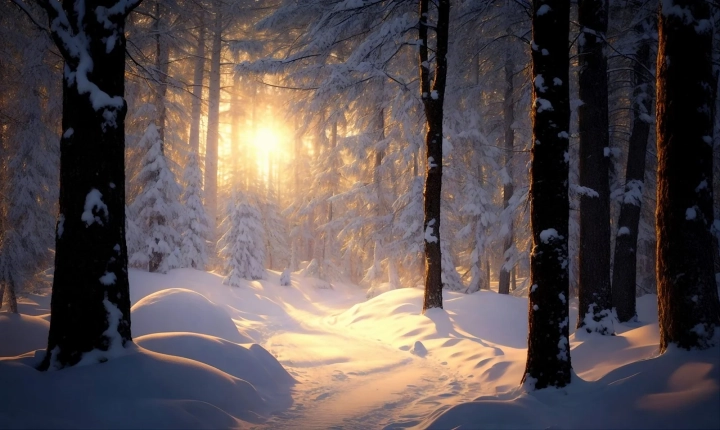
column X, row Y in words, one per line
column 267, row 141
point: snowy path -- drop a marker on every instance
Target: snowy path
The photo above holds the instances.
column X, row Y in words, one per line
column 351, row 381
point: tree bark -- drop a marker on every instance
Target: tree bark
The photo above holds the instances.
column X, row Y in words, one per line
column 548, row 359
column 689, row 312
column 508, row 119
column 213, row 130
column 594, row 254
column 196, row 103
column 625, row 258
column 90, row 304
column 433, row 99
column 12, row 297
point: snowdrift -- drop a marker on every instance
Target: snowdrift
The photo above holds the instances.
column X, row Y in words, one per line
column 190, row 366
column 298, row 356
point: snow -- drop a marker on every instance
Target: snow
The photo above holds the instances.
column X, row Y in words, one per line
column 543, row 9
column 548, row 234
column 429, row 237
column 540, row 82
column 543, row 105
column 623, row 231
column 584, row 191
column 690, row 214
column 94, row 206
column 271, row 356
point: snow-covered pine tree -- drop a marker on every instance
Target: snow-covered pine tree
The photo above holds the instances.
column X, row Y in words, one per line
column 276, row 235
column 156, row 207
column 194, row 221
column 243, row 244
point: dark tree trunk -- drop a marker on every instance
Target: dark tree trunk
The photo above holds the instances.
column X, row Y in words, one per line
column 689, row 312
column 196, row 104
column 12, row 297
column 625, row 258
column 90, row 305
column 548, row 360
column 2, row 294
column 508, row 119
column 433, row 98
column 594, row 254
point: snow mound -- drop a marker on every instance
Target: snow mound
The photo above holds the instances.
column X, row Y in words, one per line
column 182, row 310
column 253, row 364
column 141, row 389
column 21, row 333
column 679, row 389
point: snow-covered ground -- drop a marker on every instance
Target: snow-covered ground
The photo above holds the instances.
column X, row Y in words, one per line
column 320, row 355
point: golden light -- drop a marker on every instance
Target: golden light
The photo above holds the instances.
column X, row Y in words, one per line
column 267, row 142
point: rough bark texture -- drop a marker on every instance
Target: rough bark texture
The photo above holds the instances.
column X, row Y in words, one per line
column 625, row 258
column 548, row 360
column 594, row 294
column 90, row 304
column 433, row 97
column 196, row 104
column 508, row 119
column 213, row 130
column 689, row 312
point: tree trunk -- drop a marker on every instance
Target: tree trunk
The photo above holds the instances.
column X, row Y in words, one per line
column 625, row 258
column 90, row 305
column 213, row 130
column 196, row 103
column 689, row 312
column 433, row 98
column 594, row 254
column 508, row 119
column 2, row 294
column 548, row 359
column 12, row 297
column 162, row 56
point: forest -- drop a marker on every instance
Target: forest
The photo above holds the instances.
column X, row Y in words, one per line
column 359, row 213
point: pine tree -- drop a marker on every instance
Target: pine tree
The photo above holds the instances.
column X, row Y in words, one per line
column 193, row 250
column 243, row 244
column 548, row 359
column 156, row 208
column 689, row 311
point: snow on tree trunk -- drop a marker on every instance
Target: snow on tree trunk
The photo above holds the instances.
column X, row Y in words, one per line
column 243, row 244
column 90, row 305
column 628, row 227
column 433, row 97
column 595, row 307
column 688, row 307
column 548, row 358
column 156, row 208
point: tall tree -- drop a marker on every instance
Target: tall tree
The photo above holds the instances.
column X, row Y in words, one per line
column 548, row 359
column 689, row 311
column 508, row 119
column 90, row 304
column 433, row 96
column 213, row 129
column 595, row 308
column 625, row 257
